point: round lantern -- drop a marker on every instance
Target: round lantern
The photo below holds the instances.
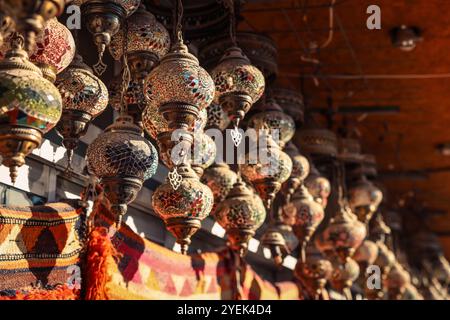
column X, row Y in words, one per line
column 270, row 116
column 220, row 179
column 84, row 97
column 364, row 199
column 308, row 215
column 31, row 106
column 268, row 173
column 203, row 152
column 54, row 49
column 122, row 159
column 103, row 20
column 343, row 275
column 147, row 41
column 217, row 118
column 300, row 170
column 344, row 233
column 180, row 89
column 318, row 186
column 314, row 273
column 239, row 84
column 183, row 208
column 240, row 214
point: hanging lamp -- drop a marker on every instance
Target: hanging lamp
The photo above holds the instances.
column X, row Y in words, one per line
column 30, row 107
column 240, row 214
column 220, row 179
column 147, row 41
column 122, row 159
column 269, row 115
column 239, row 84
column 364, row 198
column 180, row 89
column 269, row 173
column 318, row 186
column 183, row 208
column 84, row 97
column 104, row 19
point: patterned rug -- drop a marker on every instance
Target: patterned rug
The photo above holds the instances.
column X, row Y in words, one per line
column 40, row 246
column 144, row 270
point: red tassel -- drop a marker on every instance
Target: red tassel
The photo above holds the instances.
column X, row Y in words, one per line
column 99, row 258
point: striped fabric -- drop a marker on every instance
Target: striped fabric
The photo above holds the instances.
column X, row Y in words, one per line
column 39, row 245
column 145, row 270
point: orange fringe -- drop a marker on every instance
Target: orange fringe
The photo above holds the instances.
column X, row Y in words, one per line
column 99, row 258
column 61, row 292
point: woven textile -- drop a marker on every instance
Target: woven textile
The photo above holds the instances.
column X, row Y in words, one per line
column 145, row 270
column 39, row 246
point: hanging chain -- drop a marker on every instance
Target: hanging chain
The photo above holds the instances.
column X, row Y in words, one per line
column 177, row 22
column 229, row 4
column 126, row 76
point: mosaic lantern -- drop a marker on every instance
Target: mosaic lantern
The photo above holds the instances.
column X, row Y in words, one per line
column 30, row 107
column 180, row 89
column 291, row 101
column 84, row 97
column 217, row 118
column 274, row 240
column 314, row 273
column 183, row 208
column 318, row 186
column 267, row 175
column 103, row 20
column 308, row 215
column 203, row 152
column 270, row 116
column 122, row 159
column 239, row 85
column 344, row 233
column 220, row 179
column 364, row 198
column 300, row 170
column 240, row 214
column 7, row 26
column 147, row 41
column 343, row 275
column 30, row 17
column 54, row 49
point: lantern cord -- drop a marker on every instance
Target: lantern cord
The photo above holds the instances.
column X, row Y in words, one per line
column 177, row 22
column 126, row 77
column 230, row 5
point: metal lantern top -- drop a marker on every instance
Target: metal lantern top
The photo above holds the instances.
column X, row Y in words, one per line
column 291, row 101
column 121, row 150
column 236, row 74
column 81, row 90
column 179, row 79
column 144, row 34
column 27, row 98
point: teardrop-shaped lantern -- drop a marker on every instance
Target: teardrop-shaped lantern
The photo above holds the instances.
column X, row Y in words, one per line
column 30, row 107
column 122, row 159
